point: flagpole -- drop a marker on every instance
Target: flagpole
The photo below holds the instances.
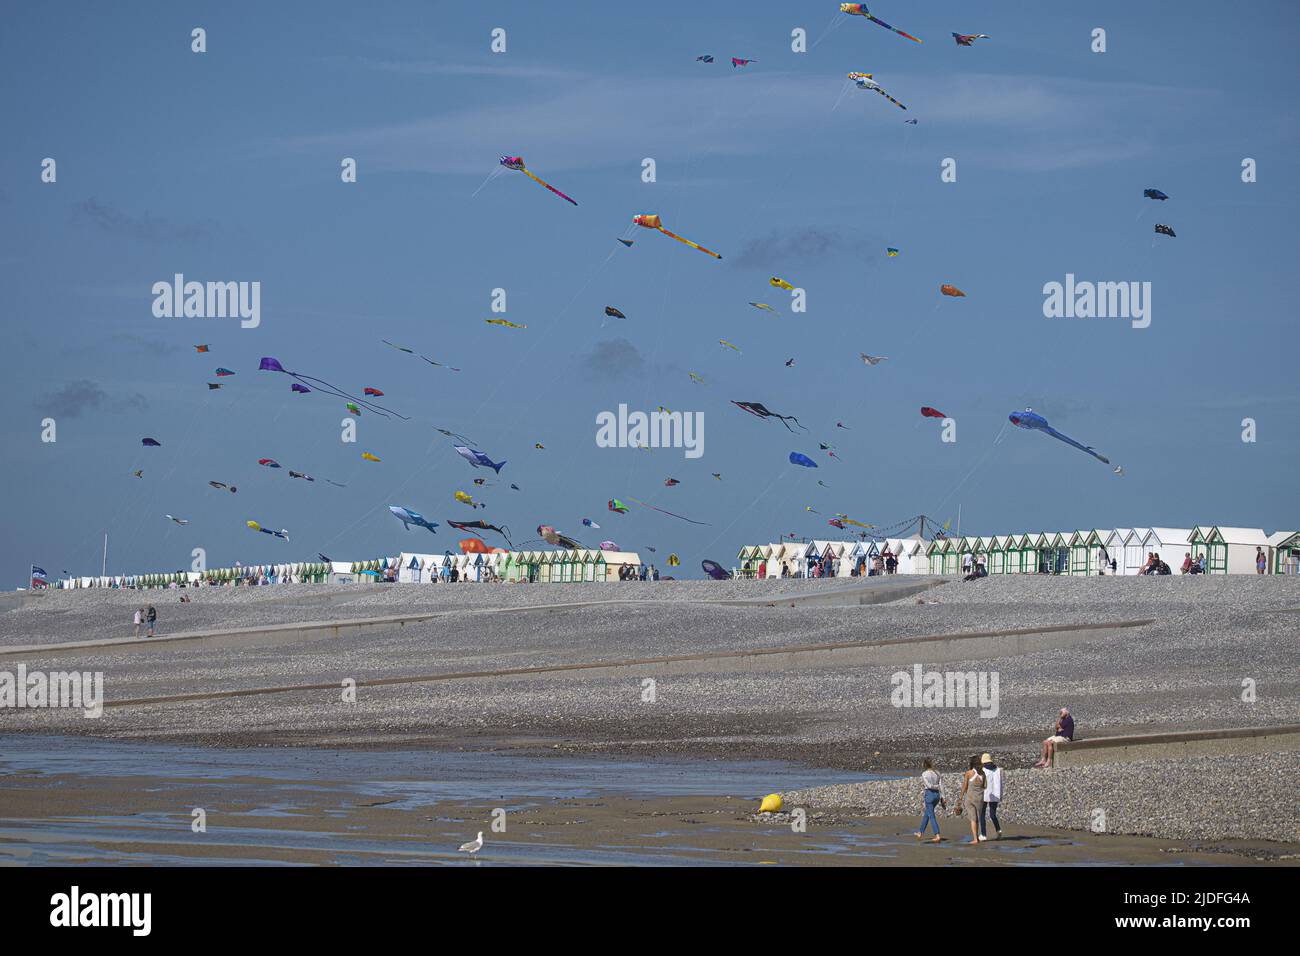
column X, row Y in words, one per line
column 103, row 567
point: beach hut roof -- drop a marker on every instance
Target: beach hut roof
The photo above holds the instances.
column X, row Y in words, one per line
column 1169, row 536
column 1283, row 538
column 1253, row 536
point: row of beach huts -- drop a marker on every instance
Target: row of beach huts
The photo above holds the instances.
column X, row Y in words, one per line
column 1226, row 551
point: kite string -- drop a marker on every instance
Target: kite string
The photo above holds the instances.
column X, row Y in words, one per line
column 996, row 441
column 747, row 508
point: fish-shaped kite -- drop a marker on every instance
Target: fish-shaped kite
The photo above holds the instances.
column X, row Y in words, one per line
column 1032, row 420
column 796, row 458
column 968, row 39
column 506, row 323
column 282, row 533
column 517, row 163
column 222, row 486
column 727, row 344
column 714, row 570
column 872, row 359
column 860, row 10
column 865, row 81
column 477, row 458
column 779, row 283
column 652, row 221
column 929, row 412
column 366, row 456
column 551, row 536
column 1154, row 194
column 951, row 290
column 299, row 474
column 472, row 526
column 1166, row 230
column 762, row 411
column 409, row 517
column 180, row 521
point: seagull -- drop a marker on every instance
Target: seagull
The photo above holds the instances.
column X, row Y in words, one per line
column 473, row 846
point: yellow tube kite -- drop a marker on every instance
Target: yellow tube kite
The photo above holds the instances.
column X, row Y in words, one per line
column 506, row 323
column 366, row 456
column 651, row 221
column 781, row 283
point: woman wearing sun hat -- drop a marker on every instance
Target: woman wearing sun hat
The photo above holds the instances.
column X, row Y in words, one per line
column 992, row 796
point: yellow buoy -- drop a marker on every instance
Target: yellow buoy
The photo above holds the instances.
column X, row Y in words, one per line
column 771, row 804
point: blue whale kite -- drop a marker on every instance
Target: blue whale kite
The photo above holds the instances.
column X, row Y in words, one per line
column 477, row 458
column 409, row 517
column 1031, row 419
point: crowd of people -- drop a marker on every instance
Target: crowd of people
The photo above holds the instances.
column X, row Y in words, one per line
column 982, row 788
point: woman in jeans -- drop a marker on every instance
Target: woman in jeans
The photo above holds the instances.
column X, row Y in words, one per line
column 933, row 794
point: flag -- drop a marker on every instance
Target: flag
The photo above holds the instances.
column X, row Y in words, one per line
column 39, row 579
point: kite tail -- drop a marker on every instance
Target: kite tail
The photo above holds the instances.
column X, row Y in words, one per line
column 538, row 179
column 377, row 409
column 694, row 245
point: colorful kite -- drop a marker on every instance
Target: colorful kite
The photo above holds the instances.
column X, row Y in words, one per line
column 1154, row 194
column 864, row 81
column 618, row 506
column 860, row 10
column 727, row 344
column 409, row 517
column 779, row 283
column 968, row 39
column 609, row 546
column 467, row 499
column 1166, row 230
column 223, row 372
column 477, row 458
column 891, row 251
column 929, row 412
column 587, row 522
column 372, row 391
column 551, row 536
column 673, row 560
column 706, row 58
column 201, row 348
column 366, row 456
column 613, row 313
column 517, row 162
column 301, row 389
column 1032, row 420
column 952, row 290
column 652, row 221
column 472, row 526
column 539, row 445
column 351, row 406
column 714, row 570
column 762, row 411
column 282, row 533
column 505, row 323
column 273, row 365
column 764, row 306
column 670, row 482
column 737, row 61
column 268, row 462
column 696, row 378
column 299, row 474
column 800, row 459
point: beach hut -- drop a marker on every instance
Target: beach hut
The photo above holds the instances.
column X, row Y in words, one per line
column 1114, row 545
column 934, row 555
column 1229, row 550
column 615, row 560
column 1134, row 556
column 996, row 556
column 1085, row 551
column 1172, row 544
column 1286, row 552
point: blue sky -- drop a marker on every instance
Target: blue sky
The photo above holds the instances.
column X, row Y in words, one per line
column 225, row 166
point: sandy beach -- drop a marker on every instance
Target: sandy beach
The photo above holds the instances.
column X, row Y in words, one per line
column 539, row 673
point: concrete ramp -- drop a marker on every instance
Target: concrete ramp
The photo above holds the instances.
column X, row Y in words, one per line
column 1187, row 743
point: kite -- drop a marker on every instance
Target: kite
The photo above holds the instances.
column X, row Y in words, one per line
column 179, row 521
column 626, row 242
column 872, row 359
column 757, row 408
column 714, row 570
column 366, row 456
column 822, row 483
column 952, row 290
column 403, row 348
column 609, row 546
column 1119, row 469
column 835, row 523
column 865, row 81
column 613, row 313
column 372, row 391
column 737, row 61
column 860, row 10
column 669, row 513
column 201, row 348
column 724, row 342
column 696, row 378
column 467, row 499
column 1031, row 419
column 651, row 549
column 842, row 425
column 517, row 163
column 269, row 364
column 505, row 323
column 151, row 442
column 480, row 481
column 299, row 474
column 968, row 39
column 515, row 487
column 1166, row 231
column 929, row 412
column 212, row 386
column 891, row 251
column 847, row 520
column 282, row 533
column 652, row 221
column 551, row 536
column 477, row 458
column 409, row 517
column 706, row 58
column 352, row 408
column 780, row 283
column 798, row 459
column 268, row 462
column 910, row 122
column 479, row 525
column 587, row 522
column 616, row 505
column 473, row 546
column 673, row 560
column 539, row 445
column 301, row 389
column 1154, row 194
column 789, row 363
column 811, row 509
column 224, row 371
column 764, row 306
column 669, row 482
column 223, row 486
column 139, row 472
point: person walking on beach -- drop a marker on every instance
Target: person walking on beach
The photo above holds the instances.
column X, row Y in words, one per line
column 992, row 796
column 151, row 616
column 139, row 619
column 1261, row 561
column 971, row 799
column 1064, row 731
column 932, row 794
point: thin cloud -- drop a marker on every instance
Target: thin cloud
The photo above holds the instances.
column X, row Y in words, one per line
column 113, row 221
column 613, row 360
column 84, row 395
